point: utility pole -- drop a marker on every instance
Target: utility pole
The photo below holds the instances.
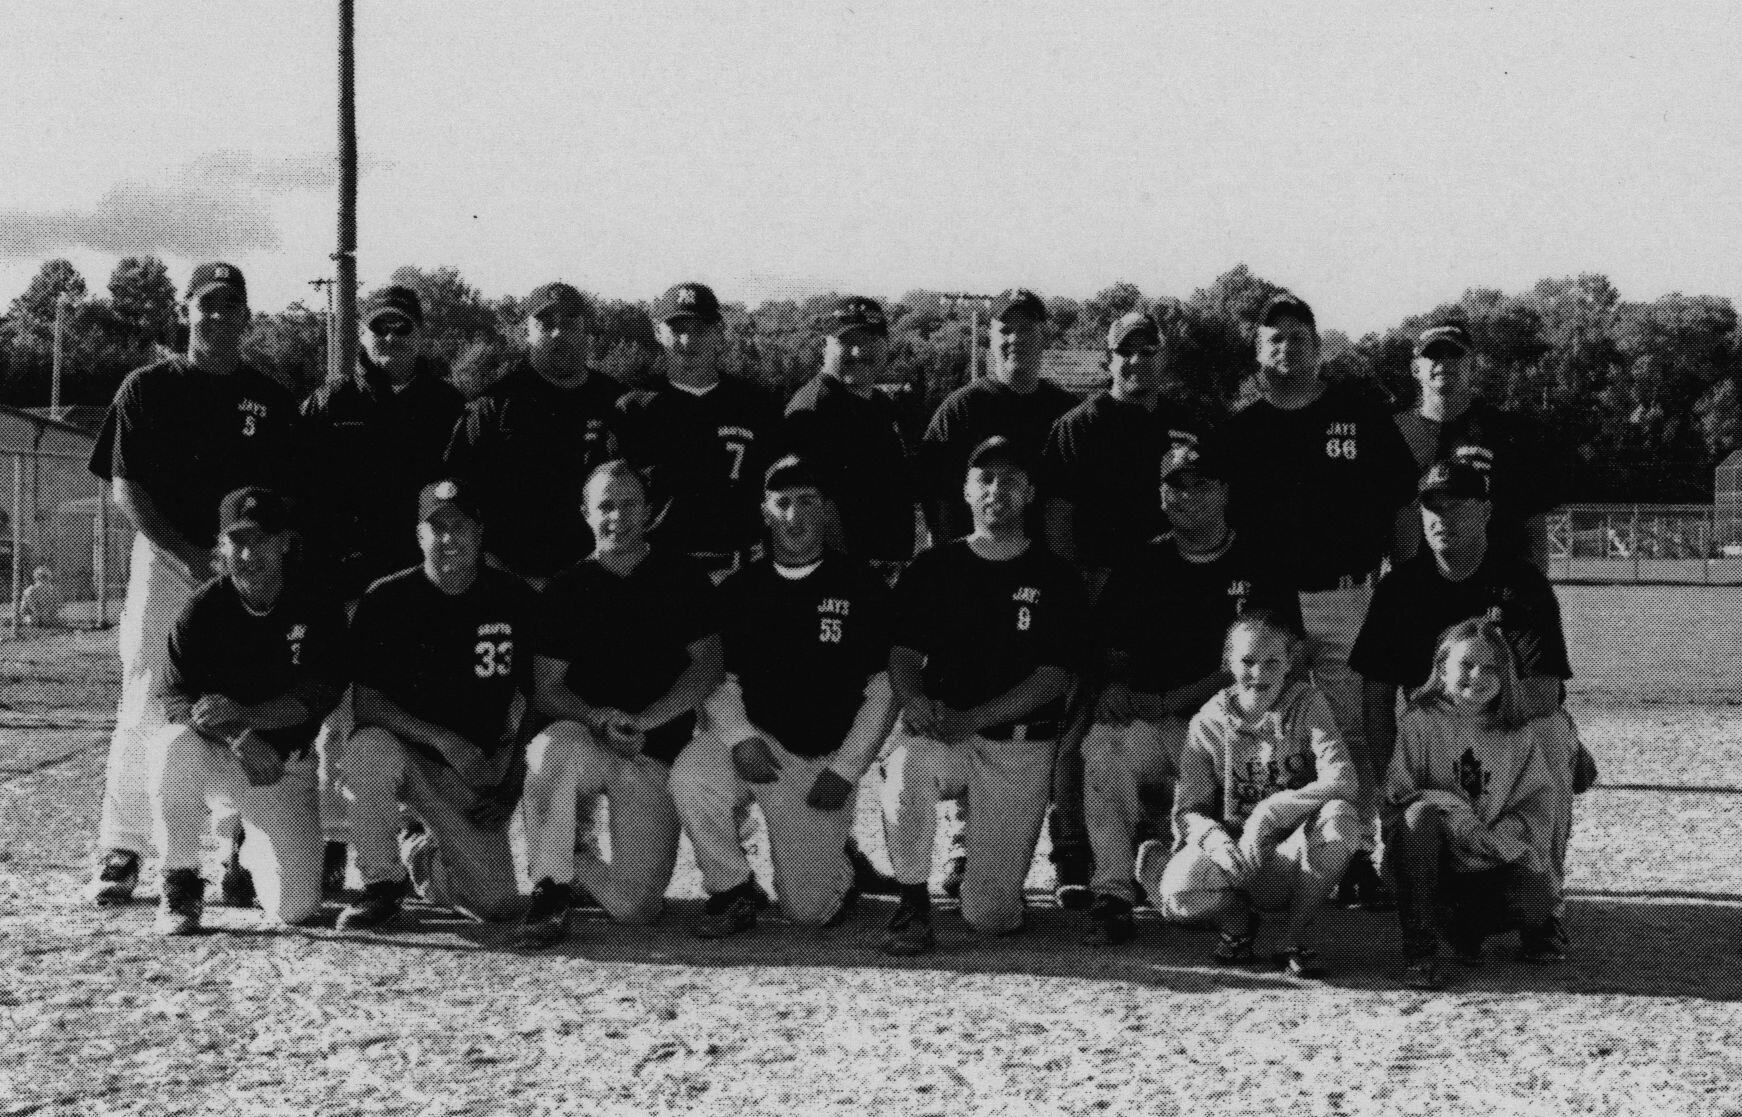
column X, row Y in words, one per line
column 975, row 304
column 325, row 287
column 342, row 327
column 63, row 304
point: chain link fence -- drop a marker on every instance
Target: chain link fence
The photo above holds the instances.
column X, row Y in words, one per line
column 1641, row 543
column 63, row 545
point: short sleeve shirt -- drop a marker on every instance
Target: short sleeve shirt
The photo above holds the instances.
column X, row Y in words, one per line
column 626, row 638
column 986, row 626
column 858, row 444
column 454, row 660
column 1527, row 474
column 969, row 416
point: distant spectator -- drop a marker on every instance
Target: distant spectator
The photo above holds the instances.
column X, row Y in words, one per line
column 41, row 601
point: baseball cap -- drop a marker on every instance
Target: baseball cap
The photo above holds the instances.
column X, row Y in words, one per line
column 687, row 300
column 856, row 312
column 448, row 493
column 791, row 472
column 558, row 294
column 1450, row 334
column 216, row 274
column 1130, row 326
column 999, row 450
column 254, row 506
column 1455, row 477
column 1019, row 302
column 1286, row 305
column 394, row 299
column 1194, row 458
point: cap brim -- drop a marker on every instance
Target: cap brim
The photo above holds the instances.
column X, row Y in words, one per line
column 240, row 292
column 388, row 312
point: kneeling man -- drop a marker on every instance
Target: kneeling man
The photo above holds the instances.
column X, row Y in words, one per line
column 798, row 721
column 255, row 663
column 440, row 679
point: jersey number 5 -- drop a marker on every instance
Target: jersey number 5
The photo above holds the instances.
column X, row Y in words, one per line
column 494, row 658
column 831, row 631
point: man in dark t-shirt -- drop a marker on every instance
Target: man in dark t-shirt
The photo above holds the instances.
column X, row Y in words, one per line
column 179, row 435
column 253, row 663
column 627, row 649
column 441, row 672
column 806, row 634
column 991, row 635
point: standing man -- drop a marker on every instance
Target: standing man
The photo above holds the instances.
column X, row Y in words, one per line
column 1320, row 473
column 844, row 427
column 441, row 668
column 253, row 663
column 180, row 434
column 1012, row 401
column 531, row 440
column 1450, row 420
column 991, row 635
column 701, row 439
column 798, row 721
column 628, row 650
column 1162, row 618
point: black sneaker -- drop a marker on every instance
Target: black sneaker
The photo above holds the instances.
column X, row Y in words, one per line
column 1545, row 945
column 116, row 876
column 380, row 905
column 1073, row 871
column 732, row 911
column 1362, row 887
column 1424, row 973
column 183, row 899
column 334, row 860
column 909, row 931
column 1300, row 961
column 955, row 869
column 1466, row 947
column 546, row 921
column 236, row 886
column 868, row 879
column 1110, row 922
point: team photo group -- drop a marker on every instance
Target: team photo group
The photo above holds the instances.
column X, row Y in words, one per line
column 1237, row 666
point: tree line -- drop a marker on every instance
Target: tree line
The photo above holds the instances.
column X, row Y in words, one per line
column 1643, row 396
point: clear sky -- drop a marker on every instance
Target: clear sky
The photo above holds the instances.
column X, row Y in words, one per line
column 1378, row 158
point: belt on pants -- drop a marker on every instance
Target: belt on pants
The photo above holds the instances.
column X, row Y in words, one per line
column 1343, row 582
column 1022, row 731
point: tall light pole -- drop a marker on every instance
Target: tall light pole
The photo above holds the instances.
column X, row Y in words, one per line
column 975, row 304
column 342, row 335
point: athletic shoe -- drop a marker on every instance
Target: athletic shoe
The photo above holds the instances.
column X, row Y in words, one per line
column 1466, row 947
column 546, row 921
column 868, row 879
column 334, row 860
column 1424, row 973
column 417, row 851
column 955, row 869
column 732, row 911
column 1300, row 961
column 236, row 886
column 1362, row 887
column 1545, row 946
column 1151, row 860
column 849, row 906
column 116, row 877
column 1110, row 922
column 1236, row 948
column 183, row 899
column 380, row 905
column 909, row 931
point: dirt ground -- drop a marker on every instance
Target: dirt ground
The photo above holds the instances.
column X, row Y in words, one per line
column 99, row 1016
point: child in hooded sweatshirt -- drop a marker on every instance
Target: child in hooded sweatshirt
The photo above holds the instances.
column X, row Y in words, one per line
column 1468, row 809
column 1263, row 813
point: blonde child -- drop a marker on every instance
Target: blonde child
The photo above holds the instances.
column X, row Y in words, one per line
column 1263, row 812
column 1469, row 809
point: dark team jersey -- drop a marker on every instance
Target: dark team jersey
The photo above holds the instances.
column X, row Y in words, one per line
column 1169, row 614
column 1104, row 456
column 297, row 649
column 803, row 648
column 1321, row 483
column 1414, row 603
column 969, row 416
column 705, row 455
column 626, row 639
column 858, row 445
column 370, row 449
column 528, row 446
column 455, row 660
column 986, row 626
column 190, row 438
column 1526, row 476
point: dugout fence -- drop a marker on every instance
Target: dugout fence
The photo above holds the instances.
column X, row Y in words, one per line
column 57, row 516
column 1641, row 543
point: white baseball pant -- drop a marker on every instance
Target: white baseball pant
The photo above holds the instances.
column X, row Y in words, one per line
column 1126, row 768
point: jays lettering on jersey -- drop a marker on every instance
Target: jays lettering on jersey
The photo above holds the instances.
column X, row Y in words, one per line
column 296, row 649
column 1320, row 483
column 803, row 648
column 190, row 437
column 1414, row 603
column 454, row 660
column 986, row 626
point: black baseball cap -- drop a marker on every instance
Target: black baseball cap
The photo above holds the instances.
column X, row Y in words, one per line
column 559, row 295
column 1193, row 458
column 687, row 300
column 1019, row 302
column 1450, row 335
column 1455, row 477
column 448, row 493
column 217, row 274
column 999, row 449
column 791, row 472
column 255, row 506
column 395, row 299
column 1132, row 326
column 1286, row 305
column 857, row 312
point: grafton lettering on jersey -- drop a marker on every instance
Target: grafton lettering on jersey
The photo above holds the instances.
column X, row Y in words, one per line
column 1181, row 438
column 496, row 628
column 295, row 638
column 743, row 434
column 835, row 606
column 595, row 430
